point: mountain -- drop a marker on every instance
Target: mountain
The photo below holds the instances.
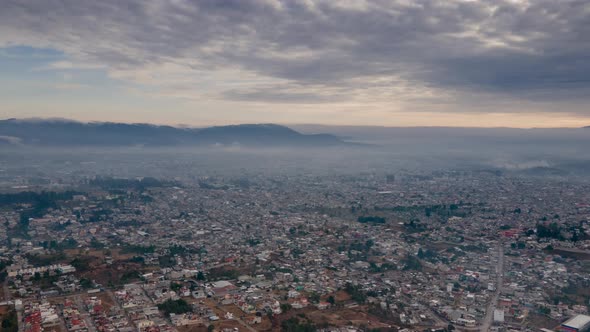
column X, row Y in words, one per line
column 262, row 134
column 72, row 133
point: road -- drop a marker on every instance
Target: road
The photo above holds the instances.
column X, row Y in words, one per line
column 487, row 321
column 85, row 315
column 120, row 309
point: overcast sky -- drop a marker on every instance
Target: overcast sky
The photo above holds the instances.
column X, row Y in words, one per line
column 513, row 63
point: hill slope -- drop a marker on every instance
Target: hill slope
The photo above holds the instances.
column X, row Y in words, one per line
column 71, row 133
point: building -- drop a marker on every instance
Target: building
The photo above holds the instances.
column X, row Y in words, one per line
column 579, row 323
column 499, row 315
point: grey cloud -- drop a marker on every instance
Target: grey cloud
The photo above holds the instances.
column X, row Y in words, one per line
column 494, row 46
column 278, row 97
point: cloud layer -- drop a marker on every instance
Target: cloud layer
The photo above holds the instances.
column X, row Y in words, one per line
column 457, row 53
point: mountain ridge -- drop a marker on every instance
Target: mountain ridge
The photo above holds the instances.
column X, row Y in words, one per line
column 63, row 132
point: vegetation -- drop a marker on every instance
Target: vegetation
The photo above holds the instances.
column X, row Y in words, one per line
column 427, row 254
column 382, row 268
column 129, row 276
column 174, row 307
column 44, row 199
column 285, row 307
column 253, row 242
column 293, row 324
column 412, row 263
column 175, row 286
column 81, row 264
column 42, row 260
column 314, row 297
column 9, row 322
column 371, row 219
column 94, row 243
column 552, row 231
column 222, row 273
column 135, row 249
column 414, row 226
column 475, row 248
column 166, row 261
column 39, row 204
column 86, row 283
column 178, row 250
column 356, row 293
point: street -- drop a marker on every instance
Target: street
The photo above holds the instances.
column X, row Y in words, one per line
column 487, row 321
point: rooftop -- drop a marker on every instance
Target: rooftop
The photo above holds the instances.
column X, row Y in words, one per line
column 578, row 322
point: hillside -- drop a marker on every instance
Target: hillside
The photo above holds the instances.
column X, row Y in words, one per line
column 71, row 133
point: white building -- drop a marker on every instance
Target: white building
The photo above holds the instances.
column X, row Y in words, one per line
column 499, row 315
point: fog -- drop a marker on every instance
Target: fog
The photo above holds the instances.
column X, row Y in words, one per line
column 560, row 153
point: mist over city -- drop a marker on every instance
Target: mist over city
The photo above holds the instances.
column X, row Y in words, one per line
column 294, row 165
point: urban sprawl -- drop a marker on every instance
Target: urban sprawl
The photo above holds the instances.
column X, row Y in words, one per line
column 430, row 251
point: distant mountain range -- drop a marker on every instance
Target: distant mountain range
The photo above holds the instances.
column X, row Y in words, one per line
column 72, row 133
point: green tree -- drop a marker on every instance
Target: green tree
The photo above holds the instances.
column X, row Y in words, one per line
column 331, row 300
column 175, row 307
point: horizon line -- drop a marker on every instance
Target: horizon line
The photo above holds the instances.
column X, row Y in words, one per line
column 180, row 125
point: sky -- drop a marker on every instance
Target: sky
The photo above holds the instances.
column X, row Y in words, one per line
column 480, row 63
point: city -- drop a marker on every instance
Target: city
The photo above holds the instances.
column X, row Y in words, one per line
column 466, row 251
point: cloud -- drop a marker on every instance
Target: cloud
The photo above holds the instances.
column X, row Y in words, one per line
column 320, row 51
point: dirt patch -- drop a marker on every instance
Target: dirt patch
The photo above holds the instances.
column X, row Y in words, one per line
column 116, row 274
column 106, row 301
column 116, row 254
column 539, row 321
column 341, row 296
column 4, row 310
column 192, row 328
column 228, row 324
column 571, row 253
column 343, row 317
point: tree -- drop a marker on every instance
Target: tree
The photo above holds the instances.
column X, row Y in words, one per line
column 211, row 328
column 371, row 219
column 314, row 297
column 331, row 300
column 200, row 276
column 412, row 263
column 175, row 307
column 293, row 324
column 420, row 253
column 10, row 322
column 175, row 287
column 86, row 283
column 356, row 293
